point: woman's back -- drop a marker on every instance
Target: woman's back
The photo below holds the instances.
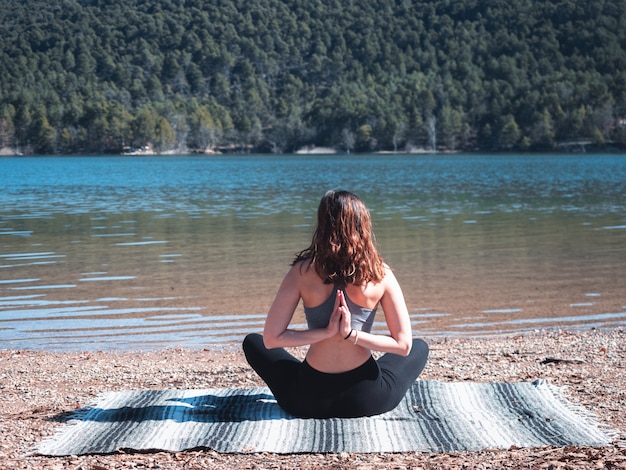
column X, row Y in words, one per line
column 314, row 291
column 335, row 354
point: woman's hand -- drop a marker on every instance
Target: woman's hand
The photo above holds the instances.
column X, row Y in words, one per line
column 340, row 321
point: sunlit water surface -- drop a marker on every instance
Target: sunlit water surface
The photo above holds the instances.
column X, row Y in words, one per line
column 105, row 253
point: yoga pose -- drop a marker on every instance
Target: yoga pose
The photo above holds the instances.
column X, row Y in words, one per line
column 341, row 280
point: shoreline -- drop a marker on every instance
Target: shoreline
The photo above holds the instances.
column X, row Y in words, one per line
column 42, row 388
column 234, row 346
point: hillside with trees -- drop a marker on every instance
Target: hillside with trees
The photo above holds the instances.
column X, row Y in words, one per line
column 96, row 76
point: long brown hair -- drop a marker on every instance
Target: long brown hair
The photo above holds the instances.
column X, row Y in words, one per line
column 343, row 250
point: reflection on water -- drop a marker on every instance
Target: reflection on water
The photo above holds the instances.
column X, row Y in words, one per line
column 141, row 253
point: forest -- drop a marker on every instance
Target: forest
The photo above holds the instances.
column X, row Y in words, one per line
column 108, row 76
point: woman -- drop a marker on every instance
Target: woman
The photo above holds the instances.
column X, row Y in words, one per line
column 341, row 280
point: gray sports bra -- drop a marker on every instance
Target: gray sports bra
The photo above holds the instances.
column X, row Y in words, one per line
column 318, row 317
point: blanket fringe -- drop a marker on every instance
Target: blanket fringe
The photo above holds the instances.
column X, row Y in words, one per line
column 579, row 409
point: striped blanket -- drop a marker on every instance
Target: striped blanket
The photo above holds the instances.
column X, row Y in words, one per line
column 434, row 416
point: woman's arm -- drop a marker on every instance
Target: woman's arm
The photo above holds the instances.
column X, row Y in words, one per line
column 277, row 333
column 398, row 321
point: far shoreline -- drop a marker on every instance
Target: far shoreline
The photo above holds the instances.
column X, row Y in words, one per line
column 562, row 148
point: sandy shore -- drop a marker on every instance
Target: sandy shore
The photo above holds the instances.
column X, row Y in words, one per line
column 39, row 389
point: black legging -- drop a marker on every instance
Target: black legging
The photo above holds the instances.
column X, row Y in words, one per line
column 372, row 388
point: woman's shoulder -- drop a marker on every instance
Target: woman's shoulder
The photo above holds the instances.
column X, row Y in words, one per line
column 302, row 266
column 389, row 278
column 303, row 271
column 387, row 272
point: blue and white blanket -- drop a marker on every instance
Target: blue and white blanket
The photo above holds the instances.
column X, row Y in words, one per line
column 433, row 417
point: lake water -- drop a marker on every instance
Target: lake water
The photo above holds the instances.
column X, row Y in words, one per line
column 106, row 253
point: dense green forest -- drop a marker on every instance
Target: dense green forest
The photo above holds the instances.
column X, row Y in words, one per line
column 278, row 75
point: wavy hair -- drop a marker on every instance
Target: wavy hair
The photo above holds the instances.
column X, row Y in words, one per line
column 343, row 249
